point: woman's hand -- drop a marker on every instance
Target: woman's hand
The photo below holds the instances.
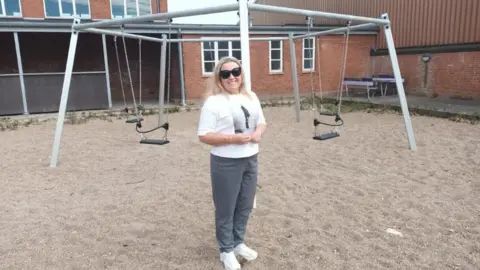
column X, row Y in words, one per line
column 256, row 137
column 241, row 138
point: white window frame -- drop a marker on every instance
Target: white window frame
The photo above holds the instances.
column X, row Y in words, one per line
column 4, row 11
column 313, row 55
column 215, row 43
column 125, row 15
column 270, row 56
column 65, row 15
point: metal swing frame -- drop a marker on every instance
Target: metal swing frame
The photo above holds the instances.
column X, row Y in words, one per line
column 243, row 7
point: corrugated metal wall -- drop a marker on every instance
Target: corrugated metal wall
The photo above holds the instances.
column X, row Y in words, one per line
column 414, row 22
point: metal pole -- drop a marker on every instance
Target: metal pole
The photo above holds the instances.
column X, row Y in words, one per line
column 245, row 50
column 64, row 98
column 180, row 69
column 119, row 34
column 311, row 13
column 135, row 36
column 20, row 73
column 107, row 71
column 399, row 84
column 160, row 16
column 245, row 42
column 293, row 62
column 337, row 30
column 163, row 71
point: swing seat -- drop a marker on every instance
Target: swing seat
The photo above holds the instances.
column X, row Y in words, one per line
column 131, row 121
column 326, row 136
column 153, row 141
column 327, row 114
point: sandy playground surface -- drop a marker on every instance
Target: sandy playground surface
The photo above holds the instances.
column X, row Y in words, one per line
column 116, row 204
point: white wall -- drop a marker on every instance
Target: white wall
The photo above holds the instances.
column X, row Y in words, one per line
column 218, row 18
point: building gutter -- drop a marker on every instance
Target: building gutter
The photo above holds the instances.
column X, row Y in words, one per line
column 446, row 48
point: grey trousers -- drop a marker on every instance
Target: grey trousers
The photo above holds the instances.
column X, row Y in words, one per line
column 234, row 184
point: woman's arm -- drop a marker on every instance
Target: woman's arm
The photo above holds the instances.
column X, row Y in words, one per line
column 261, row 123
column 216, row 139
column 207, row 130
column 260, row 128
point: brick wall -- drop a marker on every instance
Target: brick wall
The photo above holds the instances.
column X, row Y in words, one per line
column 264, row 83
column 452, row 75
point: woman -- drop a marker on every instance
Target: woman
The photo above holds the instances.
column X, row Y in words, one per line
column 232, row 121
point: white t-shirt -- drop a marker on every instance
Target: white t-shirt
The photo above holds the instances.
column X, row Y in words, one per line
column 222, row 113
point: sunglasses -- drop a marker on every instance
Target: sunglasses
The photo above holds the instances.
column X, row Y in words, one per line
column 224, row 74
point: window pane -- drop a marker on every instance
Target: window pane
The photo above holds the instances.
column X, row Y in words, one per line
column 208, row 45
column 132, row 7
column 275, row 54
column 222, row 54
column 235, row 44
column 82, row 8
column 308, row 53
column 144, row 7
column 308, row 43
column 208, row 66
column 275, row 44
column 307, row 63
column 208, row 55
column 67, row 8
column 12, row 7
column 275, row 64
column 223, row 44
column 51, row 8
column 118, row 8
column 237, row 54
column 1, row 10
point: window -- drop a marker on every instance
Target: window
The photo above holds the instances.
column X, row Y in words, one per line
column 130, row 8
column 308, row 54
column 276, row 56
column 212, row 51
column 67, row 8
column 10, row 8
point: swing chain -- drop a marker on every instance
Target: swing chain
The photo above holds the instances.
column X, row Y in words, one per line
column 120, row 74
column 342, row 78
column 137, row 113
column 169, row 69
column 309, row 25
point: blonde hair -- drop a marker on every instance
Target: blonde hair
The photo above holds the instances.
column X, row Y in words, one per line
column 215, row 85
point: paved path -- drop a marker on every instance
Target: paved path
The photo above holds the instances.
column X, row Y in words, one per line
column 468, row 107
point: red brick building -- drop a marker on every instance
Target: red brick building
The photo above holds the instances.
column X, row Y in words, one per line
column 40, row 29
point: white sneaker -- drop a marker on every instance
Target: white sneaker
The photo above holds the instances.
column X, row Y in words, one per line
column 229, row 261
column 246, row 252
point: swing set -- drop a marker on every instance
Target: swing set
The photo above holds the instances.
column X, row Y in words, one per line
column 138, row 109
column 243, row 7
column 322, row 112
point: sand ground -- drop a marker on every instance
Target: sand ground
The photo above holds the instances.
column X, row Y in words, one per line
column 115, row 204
